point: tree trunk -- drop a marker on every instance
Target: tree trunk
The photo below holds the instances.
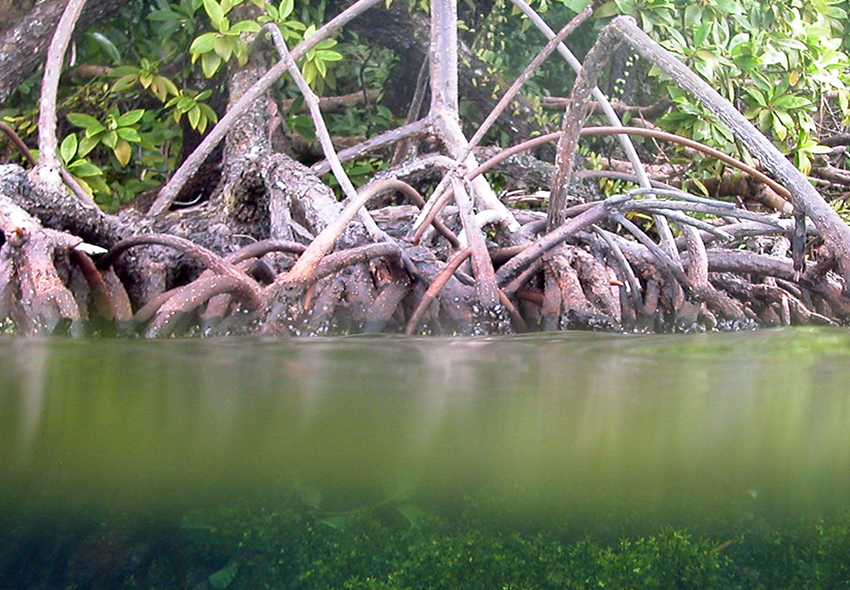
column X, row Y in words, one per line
column 24, row 45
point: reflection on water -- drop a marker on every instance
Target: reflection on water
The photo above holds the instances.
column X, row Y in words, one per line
column 575, row 423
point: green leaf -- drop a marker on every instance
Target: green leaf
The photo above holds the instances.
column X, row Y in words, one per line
column 309, row 72
column 223, row 48
column 286, row 8
column 124, row 83
column 158, row 89
column 789, row 102
column 110, row 139
column 693, row 14
column 129, row 134
column 215, row 12
column 68, row 148
column 701, row 33
column 784, row 118
column 84, row 169
column 170, row 87
column 575, row 5
column 164, row 16
column 223, row 577
column 131, row 117
column 184, row 104
column 702, row 188
column 326, row 44
column 86, row 122
column 326, row 55
column 606, row 10
column 241, row 50
column 123, row 152
column 87, row 144
column 194, row 116
column 245, row 26
column 84, row 185
column 779, row 129
column 202, row 124
column 208, row 112
column 203, row 44
column 121, row 71
column 757, row 95
column 819, row 149
column 765, row 119
column 107, row 46
column 210, row 63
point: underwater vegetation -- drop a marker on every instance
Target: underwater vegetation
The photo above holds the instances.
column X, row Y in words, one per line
column 402, row 546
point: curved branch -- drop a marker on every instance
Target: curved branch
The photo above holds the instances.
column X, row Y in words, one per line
column 263, row 247
column 192, row 296
column 206, row 257
column 518, row 263
column 47, row 142
column 100, row 291
column 388, row 137
column 435, row 288
column 339, row 260
column 19, row 143
column 324, row 242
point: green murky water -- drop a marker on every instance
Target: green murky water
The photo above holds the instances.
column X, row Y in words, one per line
column 715, row 461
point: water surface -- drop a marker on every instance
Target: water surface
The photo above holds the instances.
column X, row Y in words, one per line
column 661, row 427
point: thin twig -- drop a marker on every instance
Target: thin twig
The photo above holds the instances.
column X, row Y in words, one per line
column 19, row 143
column 532, row 67
column 388, row 137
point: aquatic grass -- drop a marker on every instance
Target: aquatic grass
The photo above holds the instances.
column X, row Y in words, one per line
column 381, row 550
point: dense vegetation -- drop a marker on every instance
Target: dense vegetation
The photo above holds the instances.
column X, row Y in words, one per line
column 141, row 111
column 407, row 547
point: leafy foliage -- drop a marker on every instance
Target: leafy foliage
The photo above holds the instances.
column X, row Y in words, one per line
column 407, row 546
column 780, row 62
column 775, row 60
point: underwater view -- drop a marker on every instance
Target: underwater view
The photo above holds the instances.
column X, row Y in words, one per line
column 575, row 460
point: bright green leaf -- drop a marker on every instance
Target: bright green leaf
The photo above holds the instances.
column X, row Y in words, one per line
column 84, row 169
column 245, row 26
column 124, row 83
column 129, row 134
column 110, row 139
column 131, row 117
column 215, row 12
column 68, row 148
column 203, row 44
column 194, row 116
column 87, row 144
